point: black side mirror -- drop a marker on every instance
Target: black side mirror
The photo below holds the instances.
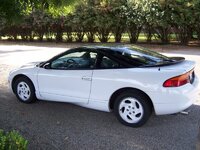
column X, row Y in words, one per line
column 47, row 66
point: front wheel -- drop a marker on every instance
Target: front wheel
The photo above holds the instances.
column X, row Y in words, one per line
column 24, row 90
column 132, row 108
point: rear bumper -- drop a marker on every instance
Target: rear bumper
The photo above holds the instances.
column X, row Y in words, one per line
column 174, row 100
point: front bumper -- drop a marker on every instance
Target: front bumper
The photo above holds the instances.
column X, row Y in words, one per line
column 174, row 100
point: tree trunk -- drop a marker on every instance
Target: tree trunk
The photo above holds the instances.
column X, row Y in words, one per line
column 198, row 35
column 118, row 34
column 59, row 36
column 118, row 37
column 184, row 35
column 41, row 36
column 163, row 34
column 69, row 37
column 90, row 36
column 134, row 33
column 103, row 35
column 79, row 36
column 149, row 35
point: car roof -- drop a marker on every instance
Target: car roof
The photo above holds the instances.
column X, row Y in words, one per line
column 119, row 48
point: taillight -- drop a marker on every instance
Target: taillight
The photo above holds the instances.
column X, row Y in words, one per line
column 178, row 80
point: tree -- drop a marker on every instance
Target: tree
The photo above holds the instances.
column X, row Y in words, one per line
column 10, row 14
column 103, row 22
column 135, row 20
column 89, row 18
column 119, row 19
column 196, row 16
column 183, row 20
column 68, row 27
column 162, row 23
column 10, row 10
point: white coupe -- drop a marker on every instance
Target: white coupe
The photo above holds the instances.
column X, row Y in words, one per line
column 130, row 80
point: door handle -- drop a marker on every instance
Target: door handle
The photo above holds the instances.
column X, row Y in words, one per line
column 86, row 78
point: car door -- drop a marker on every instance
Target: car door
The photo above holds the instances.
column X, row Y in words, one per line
column 106, row 78
column 68, row 77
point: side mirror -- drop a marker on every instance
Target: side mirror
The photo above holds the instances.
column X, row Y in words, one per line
column 47, row 66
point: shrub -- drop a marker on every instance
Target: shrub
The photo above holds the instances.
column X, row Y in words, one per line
column 12, row 141
column 135, row 20
column 103, row 22
column 183, row 20
column 119, row 20
column 158, row 20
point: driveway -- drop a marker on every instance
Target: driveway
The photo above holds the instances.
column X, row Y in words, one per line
column 51, row 125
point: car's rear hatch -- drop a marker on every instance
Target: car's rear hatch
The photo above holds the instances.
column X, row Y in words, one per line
column 183, row 66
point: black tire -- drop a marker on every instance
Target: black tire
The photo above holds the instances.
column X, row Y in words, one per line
column 31, row 93
column 142, row 101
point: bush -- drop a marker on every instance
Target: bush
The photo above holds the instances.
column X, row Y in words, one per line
column 157, row 20
column 12, row 141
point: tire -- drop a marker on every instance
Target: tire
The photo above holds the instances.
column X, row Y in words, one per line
column 24, row 90
column 132, row 108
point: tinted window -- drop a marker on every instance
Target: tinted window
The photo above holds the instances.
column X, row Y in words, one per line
column 144, row 56
column 108, row 63
column 137, row 56
column 75, row 60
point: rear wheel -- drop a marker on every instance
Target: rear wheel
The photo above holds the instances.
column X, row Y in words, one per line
column 132, row 108
column 24, row 90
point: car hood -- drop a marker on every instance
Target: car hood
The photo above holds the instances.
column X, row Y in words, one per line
column 28, row 68
column 30, row 65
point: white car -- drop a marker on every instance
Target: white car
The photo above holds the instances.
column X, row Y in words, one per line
column 130, row 80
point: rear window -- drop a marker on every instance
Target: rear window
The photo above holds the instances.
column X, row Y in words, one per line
column 145, row 56
column 140, row 57
column 136, row 56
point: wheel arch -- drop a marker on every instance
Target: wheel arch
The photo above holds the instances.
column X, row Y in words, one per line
column 119, row 91
column 17, row 77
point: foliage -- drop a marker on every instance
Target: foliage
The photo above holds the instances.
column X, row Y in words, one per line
column 162, row 24
column 119, row 19
column 135, row 20
column 196, row 17
column 182, row 18
column 89, row 17
column 12, row 141
column 103, row 22
column 77, row 23
column 68, row 27
column 72, row 20
column 10, row 10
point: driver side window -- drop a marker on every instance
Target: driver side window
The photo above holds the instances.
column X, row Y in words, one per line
column 75, row 60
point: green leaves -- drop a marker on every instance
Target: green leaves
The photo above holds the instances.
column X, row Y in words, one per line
column 10, row 10
column 155, row 18
column 12, row 141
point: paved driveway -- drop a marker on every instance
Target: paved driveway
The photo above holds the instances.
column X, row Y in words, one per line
column 50, row 125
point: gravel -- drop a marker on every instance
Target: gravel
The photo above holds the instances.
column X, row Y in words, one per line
column 52, row 125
